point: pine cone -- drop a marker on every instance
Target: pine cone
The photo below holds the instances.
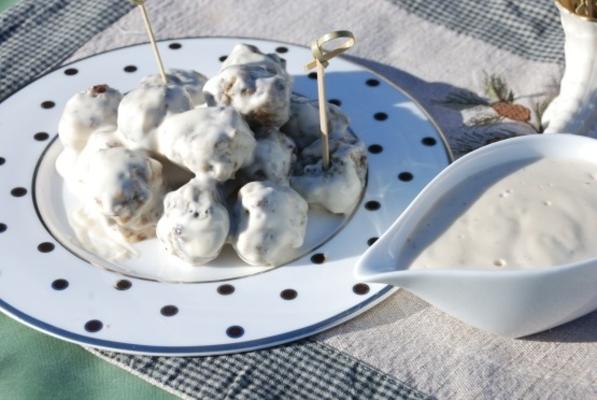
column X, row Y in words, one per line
column 512, row 111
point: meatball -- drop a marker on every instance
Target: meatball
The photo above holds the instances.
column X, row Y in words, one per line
column 125, row 186
column 73, row 165
column 303, row 125
column 256, row 85
column 85, row 112
column 244, row 53
column 272, row 221
column 189, row 80
column 143, row 109
column 195, row 224
column 337, row 189
column 214, row 142
column 274, row 155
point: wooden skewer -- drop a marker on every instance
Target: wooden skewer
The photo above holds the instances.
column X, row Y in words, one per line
column 150, row 34
column 323, row 115
column 320, row 61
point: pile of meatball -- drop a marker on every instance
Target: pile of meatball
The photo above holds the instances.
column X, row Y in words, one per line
column 200, row 162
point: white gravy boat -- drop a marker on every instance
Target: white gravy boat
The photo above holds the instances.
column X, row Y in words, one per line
column 511, row 303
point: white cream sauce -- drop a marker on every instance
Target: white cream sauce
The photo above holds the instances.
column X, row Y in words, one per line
column 537, row 214
column 97, row 236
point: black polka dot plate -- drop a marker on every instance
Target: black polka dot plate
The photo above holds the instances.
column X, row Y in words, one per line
column 152, row 305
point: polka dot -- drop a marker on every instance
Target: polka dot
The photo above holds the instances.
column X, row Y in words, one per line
column 360, row 289
column 47, row 104
column 288, row 294
column 2, row 160
column 225, row 289
column 130, row 68
column 175, row 46
column 375, row 149
column 335, row 102
column 123, row 284
column 71, row 71
column 405, row 176
column 371, row 240
column 18, row 192
column 380, row 116
column 93, row 325
column 41, row 136
column 281, row 50
column 3, row 227
column 312, row 75
column 318, row 258
column 428, row 141
column 372, row 82
column 372, row 205
column 235, row 331
column 169, row 311
column 222, row 58
column 60, row 284
column 45, row 247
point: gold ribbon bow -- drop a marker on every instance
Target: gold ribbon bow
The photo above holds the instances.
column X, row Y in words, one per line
column 320, row 60
column 322, row 55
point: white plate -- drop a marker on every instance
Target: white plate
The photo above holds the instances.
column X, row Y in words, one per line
column 43, row 284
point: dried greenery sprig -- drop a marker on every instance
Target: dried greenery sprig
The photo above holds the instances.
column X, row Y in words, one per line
column 497, row 89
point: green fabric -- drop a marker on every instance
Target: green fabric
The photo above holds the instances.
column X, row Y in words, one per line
column 37, row 366
column 4, row 4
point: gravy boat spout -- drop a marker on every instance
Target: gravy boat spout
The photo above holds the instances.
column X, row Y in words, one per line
column 508, row 302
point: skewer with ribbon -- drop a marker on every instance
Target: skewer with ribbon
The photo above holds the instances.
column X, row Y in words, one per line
column 320, row 60
column 156, row 52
